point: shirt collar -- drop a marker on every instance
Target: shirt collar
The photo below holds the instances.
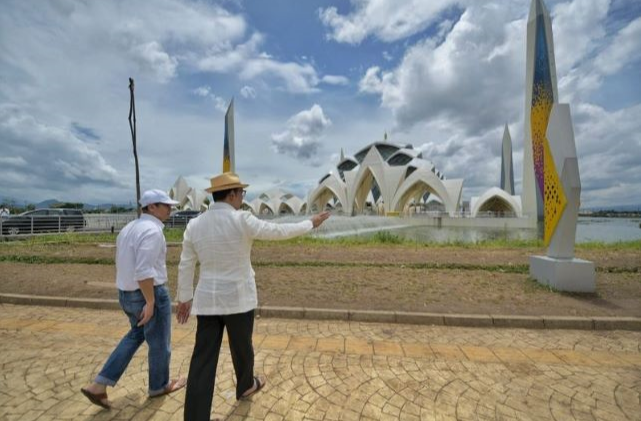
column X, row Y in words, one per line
column 221, row 205
column 146, row 216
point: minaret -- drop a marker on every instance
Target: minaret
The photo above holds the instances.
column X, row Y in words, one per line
column 507, row 169
column 229, row 164
column 342, row 155
column 540, row 94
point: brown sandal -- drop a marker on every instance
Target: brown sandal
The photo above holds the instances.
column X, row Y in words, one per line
column 97, row 398
column 172, row 387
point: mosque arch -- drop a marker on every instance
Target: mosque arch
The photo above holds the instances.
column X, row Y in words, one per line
column 415, row 192
column 265, row 209
column 322, row 197
column 496, row 201
column 330, row 187
column 422, row 181
column 284, row 208
column 363, row 186
column 496, row 205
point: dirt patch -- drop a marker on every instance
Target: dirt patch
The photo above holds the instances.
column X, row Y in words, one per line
column 361, row 285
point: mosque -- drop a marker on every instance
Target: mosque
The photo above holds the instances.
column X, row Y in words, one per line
column 387, row 178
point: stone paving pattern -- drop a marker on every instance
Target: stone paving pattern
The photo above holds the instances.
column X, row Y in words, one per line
column 330, row 370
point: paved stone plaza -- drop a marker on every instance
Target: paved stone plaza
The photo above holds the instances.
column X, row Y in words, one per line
column 319, row 370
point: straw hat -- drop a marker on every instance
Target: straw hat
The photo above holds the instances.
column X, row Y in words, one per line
column 225, row 181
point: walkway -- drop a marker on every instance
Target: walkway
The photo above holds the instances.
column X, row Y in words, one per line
column 331, row 371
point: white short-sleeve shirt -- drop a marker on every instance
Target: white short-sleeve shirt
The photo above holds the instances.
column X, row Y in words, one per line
column 140, row 253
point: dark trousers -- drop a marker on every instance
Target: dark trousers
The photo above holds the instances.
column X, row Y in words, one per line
column 204, row 360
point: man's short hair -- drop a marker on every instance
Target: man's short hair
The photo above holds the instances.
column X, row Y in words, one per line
column 221, row 195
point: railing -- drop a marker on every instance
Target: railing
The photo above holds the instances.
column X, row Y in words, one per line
column 30, row 225
column 33, row 225
column 179, row 221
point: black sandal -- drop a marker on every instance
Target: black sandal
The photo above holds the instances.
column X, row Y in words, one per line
column 259, row 385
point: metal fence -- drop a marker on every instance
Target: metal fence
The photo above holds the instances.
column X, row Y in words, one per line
column 30, row 225
column 91, row 222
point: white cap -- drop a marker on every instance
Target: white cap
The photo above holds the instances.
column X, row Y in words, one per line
column 156, row 196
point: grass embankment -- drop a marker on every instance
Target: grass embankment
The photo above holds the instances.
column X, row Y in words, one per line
column 380, row 238
column 19, row 251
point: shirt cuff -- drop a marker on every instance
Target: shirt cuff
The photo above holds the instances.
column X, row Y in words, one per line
column 145, row 274
column 185, row 295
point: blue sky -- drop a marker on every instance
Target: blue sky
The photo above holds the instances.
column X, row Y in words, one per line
column 308, row 78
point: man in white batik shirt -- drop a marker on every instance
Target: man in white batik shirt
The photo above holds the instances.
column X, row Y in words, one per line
column 225, row 297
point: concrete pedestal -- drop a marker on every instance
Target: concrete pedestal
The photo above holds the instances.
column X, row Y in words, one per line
column 574, row 275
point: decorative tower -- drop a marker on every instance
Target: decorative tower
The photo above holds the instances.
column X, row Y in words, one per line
column 551, row 181
column 229, row 164
column 507, row 169
column 540, row 94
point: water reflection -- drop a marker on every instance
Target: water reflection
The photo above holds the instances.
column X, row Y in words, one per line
column 588, row 229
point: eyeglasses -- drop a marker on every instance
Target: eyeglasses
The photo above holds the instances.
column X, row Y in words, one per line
column 244, row 192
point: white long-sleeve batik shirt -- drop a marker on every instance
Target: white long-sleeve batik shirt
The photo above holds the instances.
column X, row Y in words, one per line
column 221, row 240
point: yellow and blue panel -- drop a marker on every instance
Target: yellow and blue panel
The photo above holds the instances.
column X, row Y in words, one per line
column 545, row 173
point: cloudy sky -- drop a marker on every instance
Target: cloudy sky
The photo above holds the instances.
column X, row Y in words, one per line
column 309, row 78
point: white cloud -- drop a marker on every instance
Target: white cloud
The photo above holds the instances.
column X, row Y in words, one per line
column 579, row 28
column 250, row 63
column 385, row 19
column 297, row 78
column 301, row 138
column 470, row 78
column 335, row 80
column 248, row 92
column 205, row 92
column 40, row 157
column 624, row 49
column 609, row 149
column 372, row 82
column 161, row 39
column 202, row 91
column 153, row 59
column 586, row 54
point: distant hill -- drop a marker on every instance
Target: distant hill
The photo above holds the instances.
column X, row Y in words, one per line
column 86, row 206
column 47, row 203
column 106, row 206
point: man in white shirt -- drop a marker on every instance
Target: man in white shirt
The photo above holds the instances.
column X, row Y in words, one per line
column 221, row 240
column 141, row 276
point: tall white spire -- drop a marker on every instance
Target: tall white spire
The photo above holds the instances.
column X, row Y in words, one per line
column 507, row 169
column 229, row 158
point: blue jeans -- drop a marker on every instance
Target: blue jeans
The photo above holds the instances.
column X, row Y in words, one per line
column 157, row 333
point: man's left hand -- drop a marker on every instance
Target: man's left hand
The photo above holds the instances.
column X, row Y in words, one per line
column 146, row 314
